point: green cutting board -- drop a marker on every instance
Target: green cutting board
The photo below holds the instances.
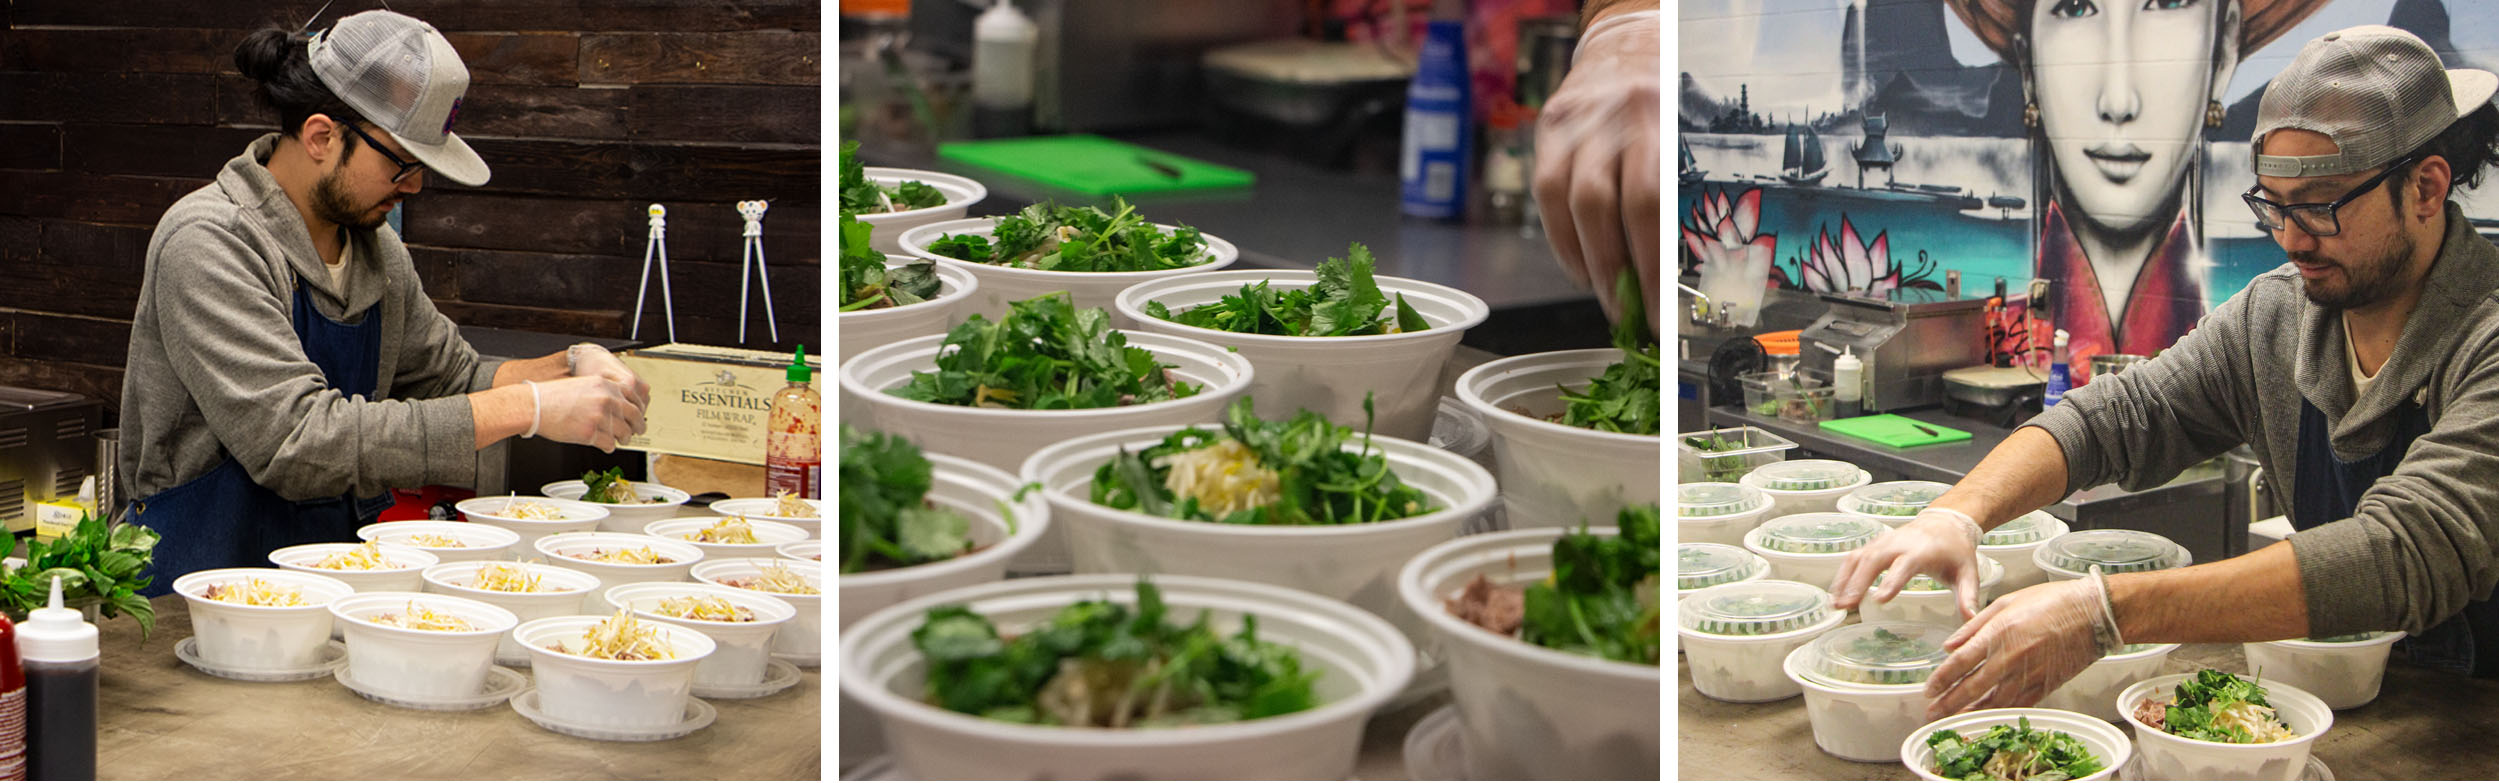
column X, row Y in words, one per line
column 1895, row 431
column 1094, row 165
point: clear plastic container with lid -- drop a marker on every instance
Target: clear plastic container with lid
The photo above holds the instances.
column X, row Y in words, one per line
column 1878, row 653
column 2072, row 555
column 2013, row 542
column 2031, row 528
column 1762, row 608
column 1699, row 565
column 1864, row 685
column 1734, row 636
column 1718, row 512
column 1803, row 475
column 1927, row 600
column 1893, row 501
column 1816, row 534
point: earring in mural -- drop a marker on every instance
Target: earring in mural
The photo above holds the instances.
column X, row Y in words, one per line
column 2213, row 114
column 2030, row 114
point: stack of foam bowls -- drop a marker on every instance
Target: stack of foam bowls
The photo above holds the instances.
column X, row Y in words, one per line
column 1704, row 565
column 572, row 550
column 417, row 668
column 261, row 642
column 769, row 510
column 606, row 699
column 402, row 572
column 560, row 592
column 1528, row 710
column 665, row 502
column 1810, row 548
column 741, row 664
column 2105, row 742
column 495, row 509
column 1361, row 661
column 475, row 541
column 810, row 549
column 1925, row 600
column 865, row 329
column 1330, row 375
column 1735, row 635
column 2012, row 543
column 1892, row 503
column 1718, row 512
column 1806, row 486
column 803, row 641
column 2344, row 671
column 2094, row 691
column 2167, row 756
column 1003, row 438
column 1350, row 562
column 769, row 536
column 886, row 228
column 1555, row 475
column 1865, row 685
column 1000, row 284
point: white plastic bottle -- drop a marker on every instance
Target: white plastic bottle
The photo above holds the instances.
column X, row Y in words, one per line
column 1003, row 41
column 1848, row 383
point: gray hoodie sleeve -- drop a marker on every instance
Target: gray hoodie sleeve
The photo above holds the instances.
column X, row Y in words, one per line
column 229, row 341
column 435, row 361
column 2143, row 427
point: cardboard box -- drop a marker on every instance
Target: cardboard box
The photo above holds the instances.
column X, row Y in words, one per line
column 710, row 402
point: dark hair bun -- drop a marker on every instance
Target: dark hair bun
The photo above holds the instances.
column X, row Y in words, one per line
column 262, row 55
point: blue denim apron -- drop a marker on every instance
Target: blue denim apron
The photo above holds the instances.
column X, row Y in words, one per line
column 225, row 520
column 2329, row 489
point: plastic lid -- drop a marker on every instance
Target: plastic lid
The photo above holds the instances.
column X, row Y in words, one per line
column 2115, row 551
column 2030, row 528
column 1710, row 565
column 55, row 633
column 1760, row 608
column 1717, row 499
column 2354, row 638
column 798, row 366
column 1801, row 475
column 1879, row 653
column 1894, row 498
column 1819, row 533
column 1988, row 570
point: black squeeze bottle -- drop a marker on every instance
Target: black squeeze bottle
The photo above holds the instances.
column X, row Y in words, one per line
column 58, row 647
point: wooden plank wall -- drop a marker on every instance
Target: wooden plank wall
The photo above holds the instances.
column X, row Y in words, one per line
column 587, row 110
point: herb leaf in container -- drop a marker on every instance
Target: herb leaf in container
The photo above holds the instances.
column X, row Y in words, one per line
column 1046, row 355
column 1259, row 472
column 861, row 195
column 1078, row 239
column 608, row 486
column 1625, row 398
column 1345, row 301
column 1602, row 598
column 868, row 283
column 2216, row 706
column 886, row 520
column 2016, row 752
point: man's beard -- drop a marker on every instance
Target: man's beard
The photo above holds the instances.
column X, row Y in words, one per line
column 331, row 202
column 2365, row 284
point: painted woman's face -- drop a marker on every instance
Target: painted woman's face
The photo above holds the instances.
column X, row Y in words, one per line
column 2122, row 86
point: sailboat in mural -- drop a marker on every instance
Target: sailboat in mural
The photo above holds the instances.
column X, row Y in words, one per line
column 1802, row 163
column 1688, row 171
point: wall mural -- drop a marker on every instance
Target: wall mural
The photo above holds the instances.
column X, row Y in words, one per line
column 1832, row 145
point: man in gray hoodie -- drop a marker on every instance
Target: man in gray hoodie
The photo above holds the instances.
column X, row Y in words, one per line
column 286, row 369
column 2364, row 374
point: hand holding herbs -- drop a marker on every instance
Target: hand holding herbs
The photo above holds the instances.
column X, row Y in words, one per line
column 2215, row 706
column 1046, row 355
column 1102, row 664
column 862, row 195
column 1258, row 472
column 868, row 284
column 886, row 519
column 2016, row 752
column 1625, row 398
column 91, row 562
column 1345, row 301
column 1078, row 239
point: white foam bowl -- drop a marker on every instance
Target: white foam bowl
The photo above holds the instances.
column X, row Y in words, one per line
column 1527, row 710
column 2106, row 743
column 2094, row 691
column 1937, row 607
column 2168, row 756
column 404, row 663
column 885, row 228
column 1554, row 475
column 1361, row 662
column 1804, row 501
column 405, row 578
column 1857, row 721
column 865, row 329
column 1329, row 375
column 2342, row 674
column 561, row 594
column 768, row 536
column 626, row 517
column 1355, row 563
column 1726, row 529
column 810, row 549
column 578, row 517
column 477, row 541
column 767, row 510
column 612, row 695
column 975, row 491
column 1747, row 669
column 802, row 641
column 559, row 549
column 1000, row 285
column 743, row 648
column 1813, row 568
column 261, row 638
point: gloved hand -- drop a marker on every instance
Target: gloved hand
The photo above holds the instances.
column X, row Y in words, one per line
column 588, row 359
column 591, row 411
column 2024, row 646
column 1940, row 542
column 1597, row 159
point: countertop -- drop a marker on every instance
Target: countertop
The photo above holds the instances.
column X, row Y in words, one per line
column 163, row 720
column 2424, row 725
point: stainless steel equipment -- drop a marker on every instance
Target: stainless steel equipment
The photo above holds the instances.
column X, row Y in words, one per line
column 47, row 446
column 1907, row 339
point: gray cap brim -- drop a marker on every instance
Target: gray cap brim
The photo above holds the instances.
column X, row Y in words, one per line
column 2472, row 88
column 454, row 159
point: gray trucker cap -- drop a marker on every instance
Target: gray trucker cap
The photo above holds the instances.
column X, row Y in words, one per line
column 404, row 76
column 2377, row 91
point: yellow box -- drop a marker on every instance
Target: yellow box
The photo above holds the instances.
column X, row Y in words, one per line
column 708, row 401
column 54, row 519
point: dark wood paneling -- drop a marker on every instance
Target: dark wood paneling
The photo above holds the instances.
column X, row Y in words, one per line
column 67, row 338
column 724, row 331
column 98, row 381
column 591, row 282
column 121, row 50
column 21, row 240
column 550, row 59
column 236, row 101
column 583, row 323
column 90, row 197
column 166, row 99
column 543, row 112
column 726, row 113
column 153, row 150
column 31, row 146
column 701, row 58
column 539, row 224
column 722, row 174
column 116, row 249
column 434, row 267
column 446, row 15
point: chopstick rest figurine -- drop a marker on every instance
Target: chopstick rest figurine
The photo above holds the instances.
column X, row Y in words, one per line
column 753, row 211
column 642, row 293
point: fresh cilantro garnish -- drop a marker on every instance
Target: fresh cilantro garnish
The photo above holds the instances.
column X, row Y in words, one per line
column 1602, row 598
column 1259, row 472
column 1344, row 301
column 2016, row 752
column 1625, row 398
column 868, row 284
column 1078, row 239
column 861, row 195
column 2200, row 702
column 1102, row 664
column 607, row 486
column 1046, row 355
column 886, row 519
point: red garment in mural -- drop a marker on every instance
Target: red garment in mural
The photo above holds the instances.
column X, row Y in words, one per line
column 2167, row 299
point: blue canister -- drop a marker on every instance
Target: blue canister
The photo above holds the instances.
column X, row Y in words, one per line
column 1432, row 163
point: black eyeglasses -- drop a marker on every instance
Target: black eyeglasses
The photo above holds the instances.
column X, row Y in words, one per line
column 2316, row 219
column 406, row 167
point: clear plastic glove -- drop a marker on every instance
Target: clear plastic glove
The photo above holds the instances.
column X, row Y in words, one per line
column 2024, row 646
column 1597, row 159
column 1940, row 542
column 588, row 359
column 591, row 411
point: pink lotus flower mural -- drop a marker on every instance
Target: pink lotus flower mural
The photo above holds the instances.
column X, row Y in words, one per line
column 1732, row 257
column 1850, row 264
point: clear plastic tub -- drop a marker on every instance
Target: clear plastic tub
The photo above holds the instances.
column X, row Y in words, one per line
column 1810, row 548
column 2012, row 543
column 2094, row 691
column 2107, row 744
column 1806, row 486
column 865, row 329
column 1700, row 565
column 2345, row 671
column 2167, row 756
column 1003, row 284
column 1804, row 396
column 1925, row 600
column 1743, row 449
column 1865, row 685
column 1892, row 502
column 1719, row 513
column 2069, row 556
column 1735, row 635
